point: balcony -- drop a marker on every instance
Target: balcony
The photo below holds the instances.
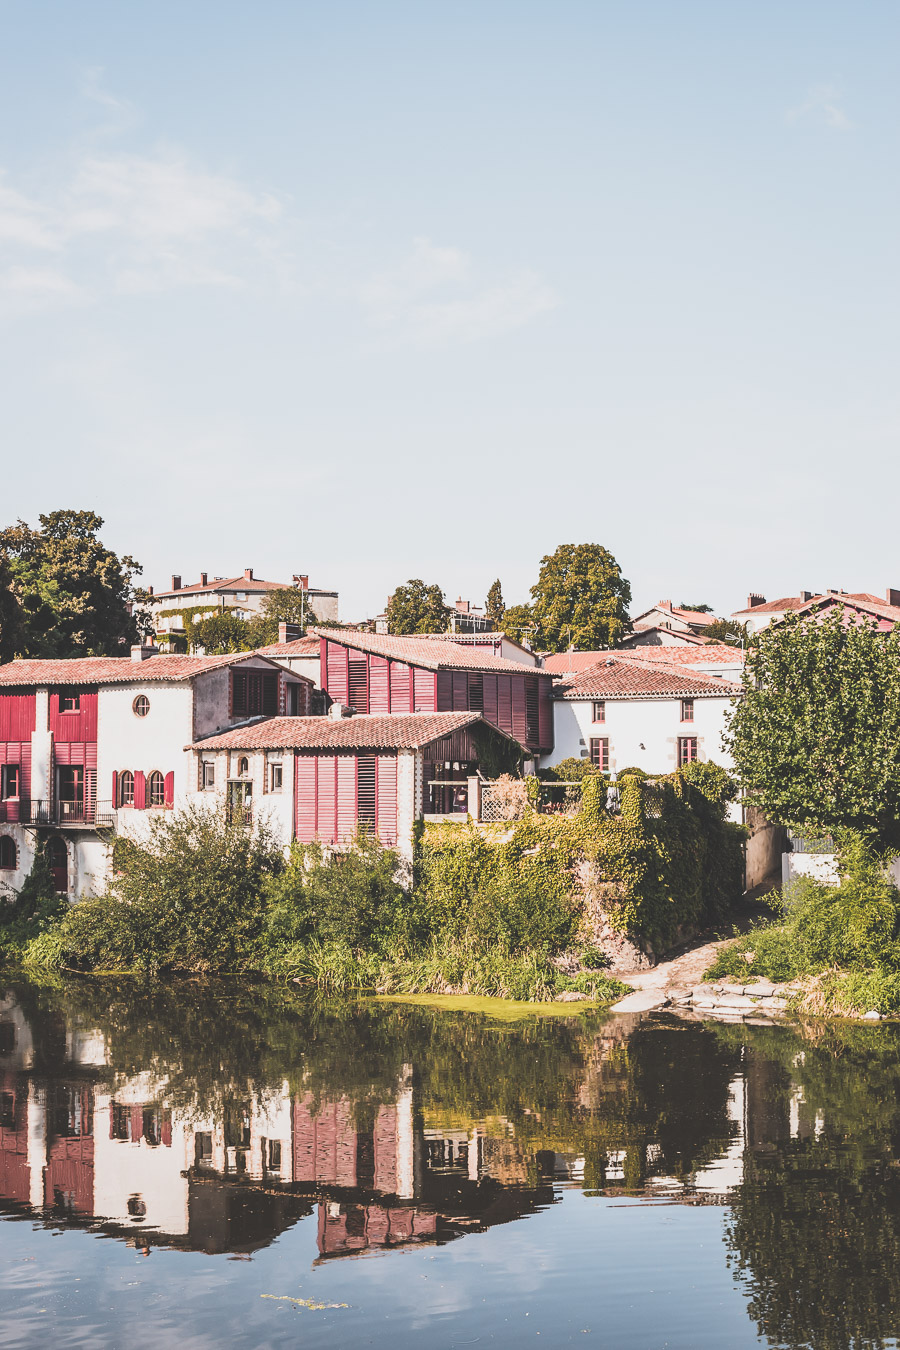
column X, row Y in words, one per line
column 77, row 815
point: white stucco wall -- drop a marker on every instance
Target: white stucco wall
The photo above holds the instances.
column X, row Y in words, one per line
column 642, row 733
column 274, row 808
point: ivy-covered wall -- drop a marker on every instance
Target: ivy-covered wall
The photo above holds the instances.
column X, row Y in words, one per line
column 667, row 864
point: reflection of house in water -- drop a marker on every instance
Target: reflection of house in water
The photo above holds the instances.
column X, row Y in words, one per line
column 81, row 1144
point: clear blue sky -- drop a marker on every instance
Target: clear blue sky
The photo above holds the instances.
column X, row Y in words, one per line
column 373, row 291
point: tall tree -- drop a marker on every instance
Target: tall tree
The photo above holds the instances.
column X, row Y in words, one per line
column 76, row 597
column 581, row 599
column 10, row 613
column 494, row 608
column 287, row 605
column 727, row 631
column 417, row 608
column 816, row 735
column 518, row 623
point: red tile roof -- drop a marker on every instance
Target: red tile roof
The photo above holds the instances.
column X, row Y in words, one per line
column 858, row 600
column 683, row 638
column 698, row 616
column 777, row 606
column 305, row 646
column 620, row 677
column 114, row 669
column 423, row 651
column 397, row 731
column 708, row 653
column 240, row 583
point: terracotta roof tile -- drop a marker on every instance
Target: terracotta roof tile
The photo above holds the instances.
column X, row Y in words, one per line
column 397, row 731
column 114, row 669
column 305, row 646
column 240, row 583
column 709, row 653
column 617, row 677
column 423, row 651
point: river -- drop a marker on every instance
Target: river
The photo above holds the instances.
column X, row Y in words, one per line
column 223, row 1165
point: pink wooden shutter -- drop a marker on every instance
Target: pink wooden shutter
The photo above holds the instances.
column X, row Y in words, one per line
column 169, row 790
column 115, row 789
column 387, row 798
column 305, row 798
column 326, row 804
column 346, row 798
column 140, row 791
column 424, row 690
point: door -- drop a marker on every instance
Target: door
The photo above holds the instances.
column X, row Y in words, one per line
column 58, row 858
column 70, row 792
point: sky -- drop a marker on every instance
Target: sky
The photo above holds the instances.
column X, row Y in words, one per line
column 373, row 291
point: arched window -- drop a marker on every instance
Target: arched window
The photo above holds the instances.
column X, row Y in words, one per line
column 7, row 853
column 156, row 789
column 58, row 858
column 243, row 766
column 141, row 705
column 126, row 788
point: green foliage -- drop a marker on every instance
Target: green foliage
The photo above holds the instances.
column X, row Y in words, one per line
column 494, row 608
column 518, row 624
column 727, row 631
column 63, row 593
column 571, row 770
column 33, row 909
column 854, row 926
column 581, row 599
column 716, row 783
column 417, row 608
column 351, row 898
column 698, row 609
column 190, row 897
column 816, row 736
column 220, row 633
column 290, row 604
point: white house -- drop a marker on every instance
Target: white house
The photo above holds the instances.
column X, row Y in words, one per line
column 759, row 613
column 102, row 743
column 241, row 596
column 626, row 713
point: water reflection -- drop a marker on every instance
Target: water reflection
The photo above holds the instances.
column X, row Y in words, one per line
column 212, row 1120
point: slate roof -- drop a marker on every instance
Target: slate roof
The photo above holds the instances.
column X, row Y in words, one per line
column 114, row 669
column 396, row 731
column 621, row 678
column 425, row 652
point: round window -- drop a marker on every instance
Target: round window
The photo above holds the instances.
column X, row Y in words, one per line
column 141, row 705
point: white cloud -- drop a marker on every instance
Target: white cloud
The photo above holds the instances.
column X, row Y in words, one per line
column 23, row 221
column 433, row 297
column 822, row 104
column 25, row 288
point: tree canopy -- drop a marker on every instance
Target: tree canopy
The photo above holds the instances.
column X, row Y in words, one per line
column 62, row 593
column 727, row 631
column 518, row 623
column 494, row 608
column 417, row 608
column 816, row 736
column 581, row 599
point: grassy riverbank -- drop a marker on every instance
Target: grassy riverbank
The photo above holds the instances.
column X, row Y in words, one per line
column 841, row 941
column 202, row 896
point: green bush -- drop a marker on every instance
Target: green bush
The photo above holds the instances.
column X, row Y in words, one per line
column 34, row 909
column 854, row 926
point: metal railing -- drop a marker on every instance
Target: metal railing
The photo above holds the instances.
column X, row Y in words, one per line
column 800, row 843
column 77, row 814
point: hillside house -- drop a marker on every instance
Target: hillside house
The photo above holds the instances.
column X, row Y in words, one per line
column 324, row 778
column 99, row 743
column 241, row 596
column 672, row 618
column 375, row 673
column 760, row 613
column 623, row 713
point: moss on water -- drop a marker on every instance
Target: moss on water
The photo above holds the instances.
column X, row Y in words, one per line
column 500, row 1009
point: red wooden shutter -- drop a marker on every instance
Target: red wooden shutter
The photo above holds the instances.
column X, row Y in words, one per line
column 115, row 789
column 169, row 790
column 166, row 1132
column 140, row 791
column 305, row 798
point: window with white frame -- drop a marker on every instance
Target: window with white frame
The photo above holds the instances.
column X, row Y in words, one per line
column 276, row 777
column 207, row 775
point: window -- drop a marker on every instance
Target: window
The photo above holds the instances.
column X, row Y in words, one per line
column 9, row 782
column 293, row 691
column 7, row 853
column 7, row 1111
column 243, row 766
column 254, row 692
column 120, row 1124
column 58, row 858
column 141, row 706
column 687, row 710
column 274, row 1164
column 599, row 711
column 600, row 752
column 207, row 775
column 276, row 777
column 687, row 750
column 156, row 789
column 126, row 788
column 69, row 701
column 366, row 802
column 203, row 1149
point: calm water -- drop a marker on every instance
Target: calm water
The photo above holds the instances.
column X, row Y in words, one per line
column 205, row 1167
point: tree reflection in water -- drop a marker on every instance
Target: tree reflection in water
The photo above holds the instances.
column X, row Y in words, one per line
column 214, row 1117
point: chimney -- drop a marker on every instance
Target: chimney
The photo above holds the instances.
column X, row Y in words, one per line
column 176, row 583
column 337, row 711
column 204, row 578
column 248, row 573
column 288, row 632
column 892, row 596
column 462, row 606
column 149, row 590
column 806, row 595
column 664, row 604
column 753, row 600
column 143, row 653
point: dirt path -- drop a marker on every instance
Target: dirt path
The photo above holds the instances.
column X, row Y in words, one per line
column 655, row 987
